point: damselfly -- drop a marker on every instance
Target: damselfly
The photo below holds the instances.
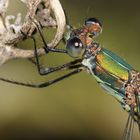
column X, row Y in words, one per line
column 112, row 73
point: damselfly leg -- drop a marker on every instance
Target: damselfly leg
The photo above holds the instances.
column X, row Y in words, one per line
column 44, row 84
column 128, row 132
column 45, row 71
column 76, row 65
column 46, row 47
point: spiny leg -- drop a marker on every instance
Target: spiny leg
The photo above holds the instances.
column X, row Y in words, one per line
column 46, row 47
column 126, row 127
column 41, row 69
column 128, row 132
column 44, row 84
column 131, row 126
column 71, row 65
column 45, row 71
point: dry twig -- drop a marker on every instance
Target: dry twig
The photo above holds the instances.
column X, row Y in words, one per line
column 10, row 34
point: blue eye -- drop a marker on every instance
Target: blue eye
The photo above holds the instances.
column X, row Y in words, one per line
column 75, row 47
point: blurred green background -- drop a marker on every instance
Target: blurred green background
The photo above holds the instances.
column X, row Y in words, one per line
column 76, row 108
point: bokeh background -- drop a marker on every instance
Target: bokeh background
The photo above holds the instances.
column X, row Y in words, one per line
column 76, row 108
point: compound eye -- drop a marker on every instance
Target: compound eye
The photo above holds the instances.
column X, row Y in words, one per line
column 94, row 26
column 75, row 47
column 91, row 21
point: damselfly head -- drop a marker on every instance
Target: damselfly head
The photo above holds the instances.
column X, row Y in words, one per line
column 75, row 47
column 94, row 26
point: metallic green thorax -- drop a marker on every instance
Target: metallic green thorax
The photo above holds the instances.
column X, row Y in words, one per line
column 110, row 70
column 113, row 64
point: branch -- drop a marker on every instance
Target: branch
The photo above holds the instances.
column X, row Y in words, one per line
column 10, row 34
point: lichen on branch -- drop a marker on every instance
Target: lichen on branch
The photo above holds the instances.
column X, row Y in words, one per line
column 10, row 33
